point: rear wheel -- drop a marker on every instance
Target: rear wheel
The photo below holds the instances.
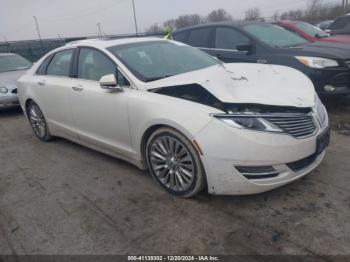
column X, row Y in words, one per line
column 38, row 122
column 174, row 163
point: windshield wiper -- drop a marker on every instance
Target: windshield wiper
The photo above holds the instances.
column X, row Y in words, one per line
column 157, row 78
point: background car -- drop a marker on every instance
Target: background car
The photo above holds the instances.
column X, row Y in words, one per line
column 12, row 67
column 312, row 33
column 340, row 26
column 324, row 25
column 193, row 121
column 326, row 64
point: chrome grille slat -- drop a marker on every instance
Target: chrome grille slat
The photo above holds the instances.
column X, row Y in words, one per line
column 293, row 125
column 297, row 126
column 295, row 129
column 291, row 122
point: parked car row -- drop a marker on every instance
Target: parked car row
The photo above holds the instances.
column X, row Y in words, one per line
column 327, row 64
column 196, row 123
column 339, row 26
column 230, row 108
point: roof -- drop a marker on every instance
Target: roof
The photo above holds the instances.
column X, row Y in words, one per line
column 231, row 23
column 7, row 54
column 105, row 43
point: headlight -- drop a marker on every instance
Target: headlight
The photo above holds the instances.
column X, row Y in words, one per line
column 320, row 111
column 248, row 122
column 3, row 89
column 317, row 62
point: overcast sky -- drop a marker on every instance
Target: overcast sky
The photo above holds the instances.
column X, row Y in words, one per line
column 79, row 17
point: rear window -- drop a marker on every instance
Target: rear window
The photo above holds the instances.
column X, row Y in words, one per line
column 200, row 37
column 13, row 63
column 60, row 63
column 181, row 37
column 274, row 35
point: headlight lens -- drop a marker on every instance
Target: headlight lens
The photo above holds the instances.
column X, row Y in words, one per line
column 3, row 89
column 320, row 111
column 317, row 62
column 248, row 122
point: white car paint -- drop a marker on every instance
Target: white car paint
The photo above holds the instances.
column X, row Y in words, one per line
column 115, row 122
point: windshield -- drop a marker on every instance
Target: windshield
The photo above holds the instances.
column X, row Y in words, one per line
column 274, row 35
column 13, row 63
column 310, row 29
column 150, row 61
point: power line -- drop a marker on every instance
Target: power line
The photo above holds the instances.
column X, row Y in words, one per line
column 133, row 7
column 99, row 29
column 37, row 27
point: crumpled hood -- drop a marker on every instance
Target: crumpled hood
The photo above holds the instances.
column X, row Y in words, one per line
column 9, row 79
column 249, row 83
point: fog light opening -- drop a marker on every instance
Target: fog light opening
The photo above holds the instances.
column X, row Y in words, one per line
column 329, row 88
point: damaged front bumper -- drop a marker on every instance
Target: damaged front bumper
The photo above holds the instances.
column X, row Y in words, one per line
column 240, row 161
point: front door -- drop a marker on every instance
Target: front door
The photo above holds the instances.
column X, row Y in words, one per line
column 100, row 116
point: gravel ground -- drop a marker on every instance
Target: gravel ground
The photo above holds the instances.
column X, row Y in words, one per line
column 62, row 198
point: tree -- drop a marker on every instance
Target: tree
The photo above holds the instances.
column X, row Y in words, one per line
column 252, row 14
column 155, row 28
column 170, row 23
column 218, row 15
column 276, row 16
column 188, row 20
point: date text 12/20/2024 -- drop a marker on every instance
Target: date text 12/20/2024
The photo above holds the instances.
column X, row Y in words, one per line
column 173, row 258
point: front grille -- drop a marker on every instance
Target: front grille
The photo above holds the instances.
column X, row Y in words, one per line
column 298, row 125
column 348, row 63
column 14, row 91
column 341, row 80
column 303, row 163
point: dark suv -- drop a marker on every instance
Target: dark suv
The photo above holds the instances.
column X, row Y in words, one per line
column 340, row 26
column 326, row 64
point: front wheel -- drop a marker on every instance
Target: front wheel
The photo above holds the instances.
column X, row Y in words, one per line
column 174, row 163
column 38, row 122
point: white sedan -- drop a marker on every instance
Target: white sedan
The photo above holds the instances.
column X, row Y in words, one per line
column 193, row 121
column 12, row 67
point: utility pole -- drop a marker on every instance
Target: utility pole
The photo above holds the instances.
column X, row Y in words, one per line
column 99, row 29
column 37, row 27
column 133, row 7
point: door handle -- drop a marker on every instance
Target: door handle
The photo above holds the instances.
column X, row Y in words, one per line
column 77, row 88
column 41, row 83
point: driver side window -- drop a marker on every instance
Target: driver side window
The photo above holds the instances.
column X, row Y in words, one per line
column 92, row 65
column 228, row 38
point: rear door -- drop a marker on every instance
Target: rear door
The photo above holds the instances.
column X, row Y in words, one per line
column 52, row 83
column 227, row 45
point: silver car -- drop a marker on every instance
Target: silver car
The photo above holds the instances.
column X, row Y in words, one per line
column 12, row 67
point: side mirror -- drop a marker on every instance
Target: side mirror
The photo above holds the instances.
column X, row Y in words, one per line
column 245, row 48
column 109, row 82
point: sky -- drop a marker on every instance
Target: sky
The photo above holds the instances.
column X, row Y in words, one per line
column 67, row 18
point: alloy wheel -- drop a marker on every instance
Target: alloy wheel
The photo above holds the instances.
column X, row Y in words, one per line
column 37, row 121
column 172, row 163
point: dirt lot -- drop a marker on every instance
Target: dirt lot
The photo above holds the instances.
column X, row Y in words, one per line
column 61, row 198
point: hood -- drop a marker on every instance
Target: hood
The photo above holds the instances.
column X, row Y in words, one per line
column 249, row 84
column 9, row 79
column 338, row 38
column 324, row 49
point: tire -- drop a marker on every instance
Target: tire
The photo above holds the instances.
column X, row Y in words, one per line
column 38, row 122
column 174, row 163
